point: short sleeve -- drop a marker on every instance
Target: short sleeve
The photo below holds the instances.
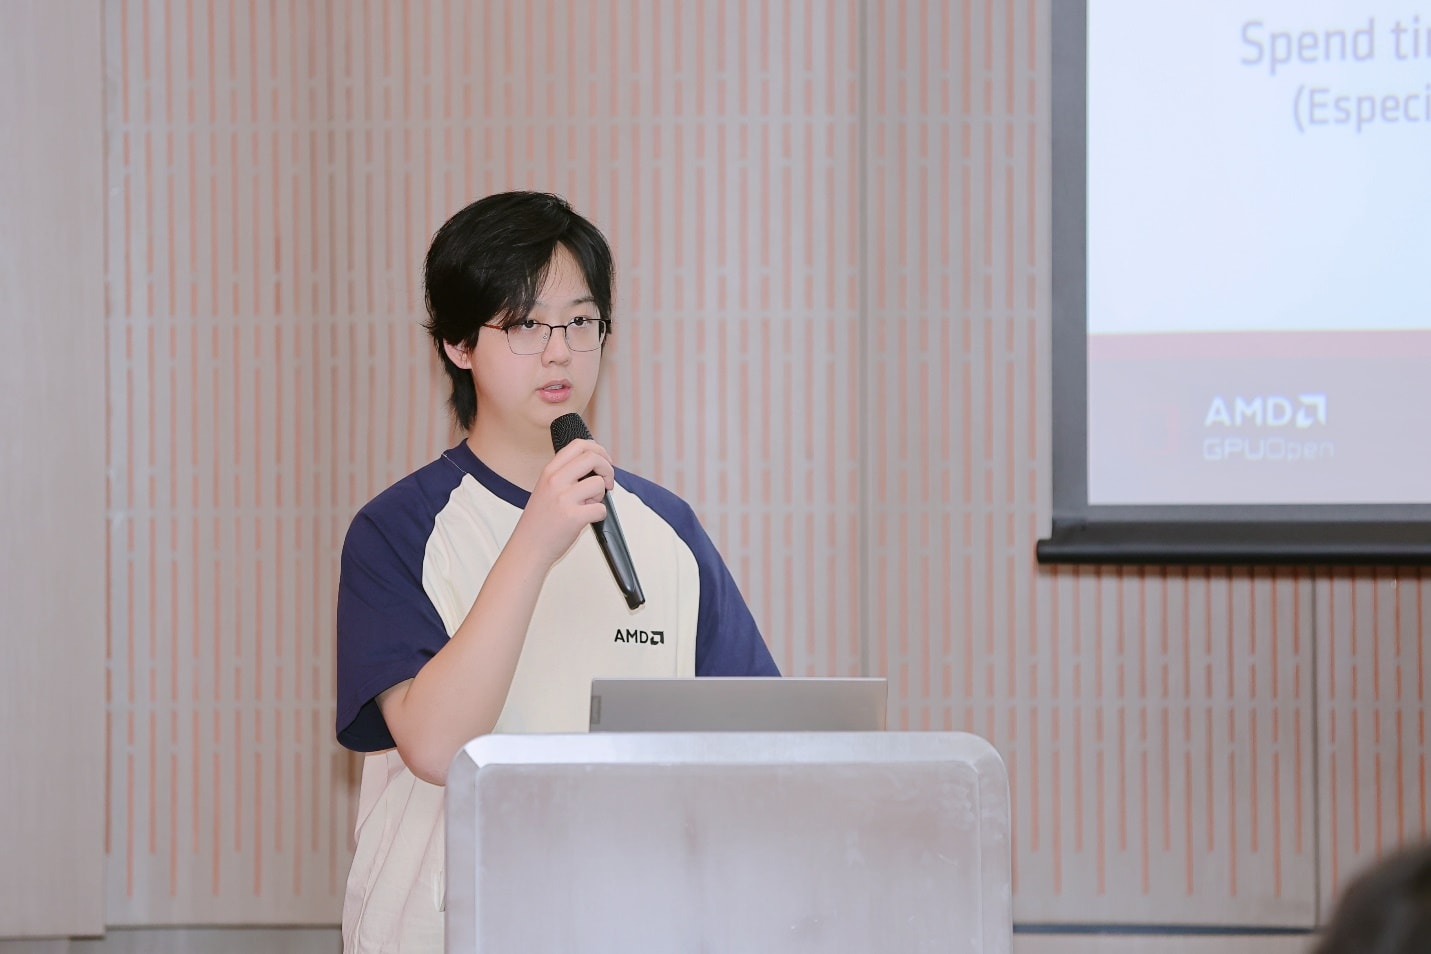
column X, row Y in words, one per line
column 387, row 626
column 728, row 641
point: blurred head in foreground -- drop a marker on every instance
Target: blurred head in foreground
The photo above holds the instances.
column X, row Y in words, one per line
column 1386, row 909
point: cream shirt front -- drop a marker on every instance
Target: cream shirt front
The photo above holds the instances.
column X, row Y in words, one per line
column 581, row 629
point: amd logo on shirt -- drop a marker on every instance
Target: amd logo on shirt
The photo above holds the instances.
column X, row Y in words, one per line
column 653, row 637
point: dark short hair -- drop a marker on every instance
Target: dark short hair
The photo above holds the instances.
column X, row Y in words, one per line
column 1384, row 910
column 486, row 266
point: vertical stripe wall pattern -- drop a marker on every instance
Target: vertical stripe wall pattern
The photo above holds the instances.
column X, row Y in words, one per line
column 831, row 226
column 1373, row 644
column 264, row 376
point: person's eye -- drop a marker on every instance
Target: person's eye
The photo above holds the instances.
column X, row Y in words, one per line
column 580, row 322
column 526, row 324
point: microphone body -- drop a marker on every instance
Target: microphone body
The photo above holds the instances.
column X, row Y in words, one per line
column 565, row 429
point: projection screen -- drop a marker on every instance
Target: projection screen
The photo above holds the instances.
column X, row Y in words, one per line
column 1241, row 281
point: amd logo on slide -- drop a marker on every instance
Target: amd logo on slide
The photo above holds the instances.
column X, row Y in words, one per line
column 1267, row 410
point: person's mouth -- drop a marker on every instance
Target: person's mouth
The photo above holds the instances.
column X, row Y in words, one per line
column 555, row 391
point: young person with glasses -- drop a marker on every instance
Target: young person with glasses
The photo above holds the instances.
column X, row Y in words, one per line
column 472, row 598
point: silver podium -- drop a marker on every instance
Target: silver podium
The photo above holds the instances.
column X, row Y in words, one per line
column 729, row 842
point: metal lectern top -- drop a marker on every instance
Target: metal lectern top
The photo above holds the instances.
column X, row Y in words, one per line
column 742, row 842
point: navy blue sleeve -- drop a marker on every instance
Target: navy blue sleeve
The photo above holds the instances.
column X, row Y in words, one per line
column 728, row 641
column 387, row 626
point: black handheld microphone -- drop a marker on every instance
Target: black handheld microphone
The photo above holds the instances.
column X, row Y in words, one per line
column 565, row 429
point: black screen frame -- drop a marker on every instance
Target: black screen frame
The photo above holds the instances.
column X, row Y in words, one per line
column 1194, row 534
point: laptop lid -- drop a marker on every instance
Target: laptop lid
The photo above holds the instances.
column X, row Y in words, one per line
column 739, row 704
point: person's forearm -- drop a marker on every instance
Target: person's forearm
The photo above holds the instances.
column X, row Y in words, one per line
column 459, row 694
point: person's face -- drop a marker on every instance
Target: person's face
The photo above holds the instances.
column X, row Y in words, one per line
column 519, row 395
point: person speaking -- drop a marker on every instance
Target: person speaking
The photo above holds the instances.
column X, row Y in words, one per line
column 469, row 599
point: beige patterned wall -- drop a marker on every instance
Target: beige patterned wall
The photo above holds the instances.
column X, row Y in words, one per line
column 1373, row 639
column 831, row 221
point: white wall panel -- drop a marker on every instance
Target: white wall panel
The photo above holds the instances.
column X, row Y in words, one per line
column 52, row 469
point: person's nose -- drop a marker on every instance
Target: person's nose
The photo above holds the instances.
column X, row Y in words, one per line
column 555, row 353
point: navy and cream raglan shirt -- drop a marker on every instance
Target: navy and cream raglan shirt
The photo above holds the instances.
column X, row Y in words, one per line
column 413, row 562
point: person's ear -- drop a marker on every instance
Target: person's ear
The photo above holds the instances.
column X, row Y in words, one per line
column 460, row 355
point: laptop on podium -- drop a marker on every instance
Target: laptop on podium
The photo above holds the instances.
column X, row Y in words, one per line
column 739, row 704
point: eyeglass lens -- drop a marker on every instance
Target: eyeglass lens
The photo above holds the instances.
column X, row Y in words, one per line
column 530, row 337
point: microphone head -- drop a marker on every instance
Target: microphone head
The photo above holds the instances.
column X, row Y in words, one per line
column 568, row 428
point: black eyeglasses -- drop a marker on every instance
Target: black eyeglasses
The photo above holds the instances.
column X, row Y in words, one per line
column 531, row 337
